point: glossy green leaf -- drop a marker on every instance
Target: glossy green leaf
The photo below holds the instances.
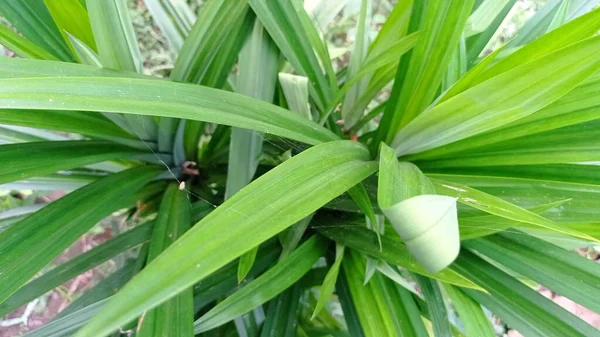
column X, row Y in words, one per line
column 281, row 20
column 580, row 105
column 477, row 42
column 426, row 222
column 78, row 265
column 175, row 316
column 436, row 308
column 295, row 89
column 265, row 287
column 224, row 281
column 118, row 49
column 483, row 16
column 205, row 38
column 257, row 77
column 349, row 309
column 541, row 21
column 371, row 68
column 68, row 324
column 518, row 305
column 546, row 264
column 86, row 123
column 14, row 215
column 382, row 311
column 470, row 313
column 357, row 57
column 501, row 99
column 84, row 53
column 175, row 20
column 147, row 97
column 217, row 75
column 443, row 23
column 477, row 226
column 291, row 237
column 394, row 251
column 281, row 317
column 55, row 227
column 114, row 35
column 494, row 205
column 71, row 18
column 531, row 186
column 48, row 157
column 32, row 19
column 21, row 46
column 292, row 190
column 330, row 280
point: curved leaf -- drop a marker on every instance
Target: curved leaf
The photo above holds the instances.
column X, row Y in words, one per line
column 289, row 192
column 158, row 98
column 54, row 227
column 21, row 161
column 277, row 279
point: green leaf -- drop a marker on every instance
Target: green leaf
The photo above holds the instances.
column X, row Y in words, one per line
column 265, row 287
column 477, row 42
column 357, row 57
column 531, row 186
column 546, row 264
column 71, row 18
column 394, row 252
column 48, row 157
column 68, row 324
column 510, row 96
column 381, row 307
column 281, row 318
column 175, row 20
column 21, row 46
column 483, row 16
column 175, row 316
column 575, row 31
column 56, row 226
column 470, row 312
column 580, row 105
column 291, row 190
column 221, row 65
column 85, row 123
column 350, row 311
column 184, row 101
column 281, row 20
column 292, row 236
column 118, row 49
column 443, row 24
column 84, row 53
column 295, row 89
column 32, row 19
column 477, row 226
column 376, row 63
column 205, row 39
column 390, row 44
column 330, row 280
column 542, row 20
column 78, row 265
column 426, row 222
column 572, row 144
column 516, row 304
column 494, row 205
column 114, row 35
column 257, row 77
column 436, row 308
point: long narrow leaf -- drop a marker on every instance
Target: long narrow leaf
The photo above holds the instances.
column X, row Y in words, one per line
column 55, row 227
column 292, row 190
column 265, row 287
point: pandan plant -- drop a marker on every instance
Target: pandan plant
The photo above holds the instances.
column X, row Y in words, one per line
column 268, row 192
